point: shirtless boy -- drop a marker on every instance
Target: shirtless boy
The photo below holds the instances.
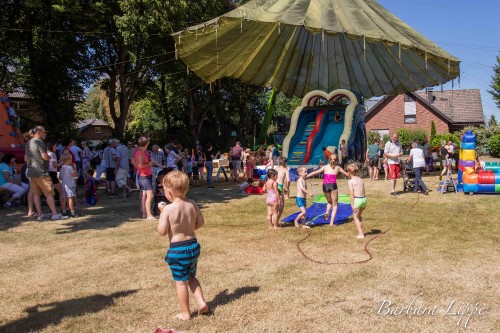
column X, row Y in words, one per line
column 179, row 220
column 300, row 199
column 283, row 183
column 358, row 198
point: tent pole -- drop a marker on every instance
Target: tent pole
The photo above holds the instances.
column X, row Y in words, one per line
column 268, row 116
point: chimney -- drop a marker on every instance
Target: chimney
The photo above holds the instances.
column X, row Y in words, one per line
column 430, row 95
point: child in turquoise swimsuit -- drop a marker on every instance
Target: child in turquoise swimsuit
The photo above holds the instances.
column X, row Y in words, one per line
column 300, row 199
column 179, row 220
column 358, row 198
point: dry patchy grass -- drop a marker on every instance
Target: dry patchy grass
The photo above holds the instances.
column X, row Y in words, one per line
column 105, row 271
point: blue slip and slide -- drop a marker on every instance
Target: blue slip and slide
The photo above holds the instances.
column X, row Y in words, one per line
column 315, row 213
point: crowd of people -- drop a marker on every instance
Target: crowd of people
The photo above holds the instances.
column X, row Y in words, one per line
column 65, row 165
column 60, row 167
column 422, row 159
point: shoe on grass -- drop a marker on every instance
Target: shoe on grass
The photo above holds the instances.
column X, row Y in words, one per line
column 58, row 217
column 44, row 217
column 8, row 204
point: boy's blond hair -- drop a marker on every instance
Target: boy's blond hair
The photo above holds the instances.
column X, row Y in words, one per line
column 66, row 157
column 353, row 169
column 301, row 168
column 177, row 181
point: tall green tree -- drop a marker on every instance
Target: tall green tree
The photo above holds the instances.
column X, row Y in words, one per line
column 95, row 104
column 433, row 130
column 44, row 59
column 122, row 53
column 184, row 101
column 492, row 122
column 495, row 83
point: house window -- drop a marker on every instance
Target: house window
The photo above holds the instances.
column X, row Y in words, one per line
column 21, row 106
column 97, row 129
column 410, row 110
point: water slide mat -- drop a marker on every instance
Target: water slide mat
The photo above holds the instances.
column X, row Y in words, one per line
column 315, row 213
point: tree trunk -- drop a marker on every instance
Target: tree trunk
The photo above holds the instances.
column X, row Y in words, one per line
column 122, row 119
column 112, row 96
column 163, row 100
column 191, row 111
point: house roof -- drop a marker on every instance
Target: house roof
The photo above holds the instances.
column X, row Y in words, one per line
column 456, row 106
column 17, row 94
column 83, row 124
column 462, row 106
column 21, row 94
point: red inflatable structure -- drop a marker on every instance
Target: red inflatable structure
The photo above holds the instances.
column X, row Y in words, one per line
column 11, row 138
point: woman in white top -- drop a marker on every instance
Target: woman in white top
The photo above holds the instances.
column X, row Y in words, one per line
column 418, row 159
column 9, row 182
column 86, row 156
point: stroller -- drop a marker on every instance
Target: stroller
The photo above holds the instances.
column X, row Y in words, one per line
column 408, row 176
column 159, row 193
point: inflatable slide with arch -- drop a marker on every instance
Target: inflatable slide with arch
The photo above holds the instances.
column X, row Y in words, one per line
column 324, row 120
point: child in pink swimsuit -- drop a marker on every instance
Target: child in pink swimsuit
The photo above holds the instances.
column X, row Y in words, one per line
column 330, row 189
column 273, row 199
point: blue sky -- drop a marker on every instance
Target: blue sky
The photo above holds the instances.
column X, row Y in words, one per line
column 469, row 30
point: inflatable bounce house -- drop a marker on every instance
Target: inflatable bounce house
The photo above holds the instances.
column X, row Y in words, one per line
column 324, row 120
column 11, row 138
column 483, row 181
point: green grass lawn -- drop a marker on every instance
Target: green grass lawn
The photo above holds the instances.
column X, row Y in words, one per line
column 105, row 271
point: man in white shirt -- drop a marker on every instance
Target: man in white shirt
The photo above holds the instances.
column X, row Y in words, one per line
column 159, row 161
column 418, row 159
column 392, row 152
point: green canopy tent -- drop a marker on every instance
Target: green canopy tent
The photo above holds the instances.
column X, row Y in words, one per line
column 296, row 46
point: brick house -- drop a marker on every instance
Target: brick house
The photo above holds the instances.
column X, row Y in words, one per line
column 94, row 129
column 24, row 106
column 451, row 110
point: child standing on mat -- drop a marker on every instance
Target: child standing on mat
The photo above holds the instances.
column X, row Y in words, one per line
column 273, row 198
column 358, row 198
column 283, row 181
column 330, row 189
column 179, row 220
column 300, row 199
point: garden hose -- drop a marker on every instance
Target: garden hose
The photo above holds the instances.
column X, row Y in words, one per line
column 370, row 256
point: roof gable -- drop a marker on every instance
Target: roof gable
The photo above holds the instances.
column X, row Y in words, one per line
column 456, row 106
column 82, row 124
column 461, row 106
